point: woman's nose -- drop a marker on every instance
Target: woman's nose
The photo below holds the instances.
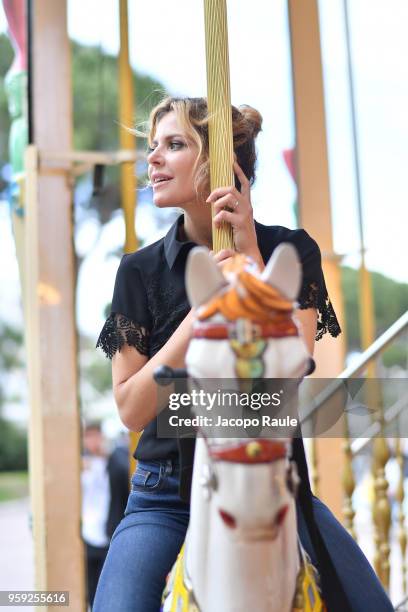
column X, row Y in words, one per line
column 155, row 157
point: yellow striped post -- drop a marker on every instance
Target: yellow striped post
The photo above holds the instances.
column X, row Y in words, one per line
column 128, row 179
column 219, row 108
column 127, row 139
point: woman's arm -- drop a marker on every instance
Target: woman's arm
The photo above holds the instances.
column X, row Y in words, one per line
column 308, row 325
column 134, row 389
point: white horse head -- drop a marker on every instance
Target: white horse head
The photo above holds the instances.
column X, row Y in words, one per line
column 244, row 294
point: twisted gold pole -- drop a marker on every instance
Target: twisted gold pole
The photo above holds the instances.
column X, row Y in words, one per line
column 402, row 536
column 349, row 484
column 314, row 464
column 376, row 537
column 219, row 107
column 381, row 511
column 128, row 180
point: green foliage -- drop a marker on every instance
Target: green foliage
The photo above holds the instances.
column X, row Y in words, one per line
column 396, row 355
column 13, row 485
column 390, row 302
column 95, row 104
column 6, row 54
column 6, row 58
column 98, row 373
column 13, row 447
column 11, row 340
column 95, row 98
column 13, row 441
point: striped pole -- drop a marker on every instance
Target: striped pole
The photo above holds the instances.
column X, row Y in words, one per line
column 127, row 140
column 128, row 179
column 219, row 108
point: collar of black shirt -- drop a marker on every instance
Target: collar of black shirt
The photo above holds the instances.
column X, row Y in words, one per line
column 172, row 243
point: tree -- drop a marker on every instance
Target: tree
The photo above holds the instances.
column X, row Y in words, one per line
column 95, row 103
column 95, row 99
column 95, row 127
column 390, row 302
column 6, row 58
column 13, row 440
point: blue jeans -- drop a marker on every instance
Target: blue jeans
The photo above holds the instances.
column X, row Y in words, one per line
column 146, row 543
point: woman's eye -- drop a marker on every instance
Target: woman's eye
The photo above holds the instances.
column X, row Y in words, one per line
column 176, row 145
column 173, row 146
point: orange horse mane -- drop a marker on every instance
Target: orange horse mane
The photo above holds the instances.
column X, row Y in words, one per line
column 248, row 297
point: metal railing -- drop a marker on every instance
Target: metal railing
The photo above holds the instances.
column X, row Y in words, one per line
column 374, row 436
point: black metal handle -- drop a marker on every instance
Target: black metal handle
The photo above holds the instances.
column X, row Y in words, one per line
column 311, row 366
column 164, row 375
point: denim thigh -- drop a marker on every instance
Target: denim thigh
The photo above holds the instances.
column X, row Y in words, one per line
column 146, row 542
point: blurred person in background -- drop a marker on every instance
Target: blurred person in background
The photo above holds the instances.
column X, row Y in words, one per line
column 105, row 490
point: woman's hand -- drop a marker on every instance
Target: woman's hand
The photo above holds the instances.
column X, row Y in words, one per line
column 222, row 256
column 239, row 215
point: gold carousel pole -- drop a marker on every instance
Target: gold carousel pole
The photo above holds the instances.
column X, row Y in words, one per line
column 381, row 453
column 128, row 179
column 219, row 108
column 367, row 314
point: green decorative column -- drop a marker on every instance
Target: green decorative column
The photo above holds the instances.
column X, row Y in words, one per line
column 16, row 91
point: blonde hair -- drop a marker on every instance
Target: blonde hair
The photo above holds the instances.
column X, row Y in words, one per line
column 192, row 114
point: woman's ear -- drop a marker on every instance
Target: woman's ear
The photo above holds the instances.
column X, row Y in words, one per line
column 203, row 277
column 283, row 271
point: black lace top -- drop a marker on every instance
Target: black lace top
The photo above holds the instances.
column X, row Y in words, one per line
column 149, row 302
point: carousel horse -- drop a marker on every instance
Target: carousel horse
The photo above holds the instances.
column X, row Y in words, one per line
column 242, row 550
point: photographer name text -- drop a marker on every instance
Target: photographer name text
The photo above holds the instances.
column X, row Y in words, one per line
column 245, row 422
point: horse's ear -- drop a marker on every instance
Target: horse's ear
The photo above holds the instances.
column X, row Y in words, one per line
column 283, row 271
column 203, row 277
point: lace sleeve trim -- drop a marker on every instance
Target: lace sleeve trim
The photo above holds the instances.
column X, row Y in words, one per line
column 119, row 330
column 311, row 297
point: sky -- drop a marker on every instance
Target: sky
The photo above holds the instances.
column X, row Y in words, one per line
column 167, row 42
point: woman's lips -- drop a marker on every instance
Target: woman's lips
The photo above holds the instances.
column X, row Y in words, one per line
column 160, row 183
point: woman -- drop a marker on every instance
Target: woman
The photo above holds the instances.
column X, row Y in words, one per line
column 150, row 325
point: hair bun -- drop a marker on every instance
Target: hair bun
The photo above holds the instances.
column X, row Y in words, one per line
column 253, row 117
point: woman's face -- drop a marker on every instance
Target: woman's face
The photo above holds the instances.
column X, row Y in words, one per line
column 171, row 164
